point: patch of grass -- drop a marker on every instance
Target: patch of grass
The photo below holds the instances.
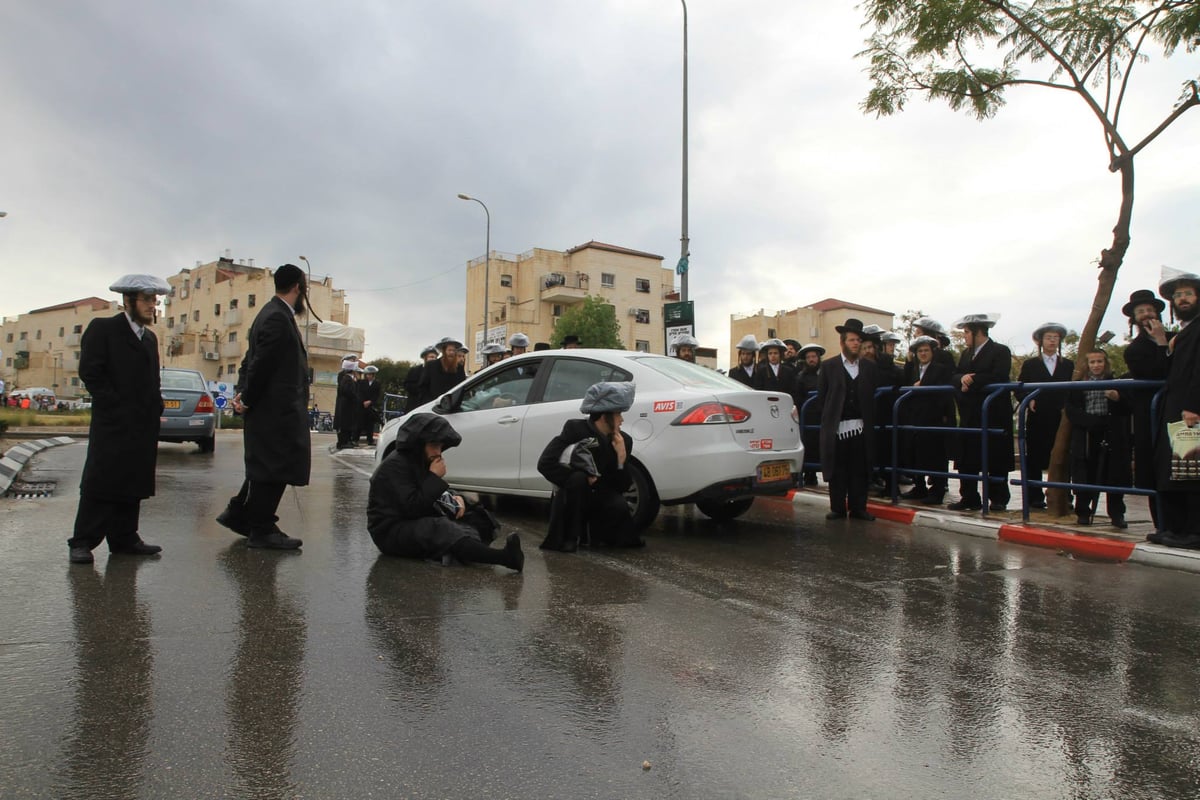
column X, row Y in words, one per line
column 28, row 418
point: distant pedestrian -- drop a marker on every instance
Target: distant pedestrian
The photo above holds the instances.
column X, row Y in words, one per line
column 271, row 395
column 773, row 375
column 926, row 450
column 370, row 395
column 983, row 363
column 345, row 408
column 806, row 382
column 685, row 348
column 1045, row 410
column 1099, row 443
column 442, row 375
column 743, row 370
column 492, row 354
column 1147, row 360
column 571, row 342
column 412, row 381
column 846, row 390
column 518, row 344
column 118, row 365
column 1179, row 479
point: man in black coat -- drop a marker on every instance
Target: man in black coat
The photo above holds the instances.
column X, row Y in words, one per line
column 983, row 363
column 1146, row 357
column 370, row 397
column 1181, row 402
column 586, row 464
column 346, row 406
column 1045, row 411
column 926, row 450
column 743, row 370
column 272, row 395
column 773, row 375
column 846, row 391
column 442, row 375
column 118, row 364
column 808, row 360
column 412, row 381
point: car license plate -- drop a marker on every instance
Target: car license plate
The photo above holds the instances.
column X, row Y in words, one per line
column 774, row 471
column 170, row 404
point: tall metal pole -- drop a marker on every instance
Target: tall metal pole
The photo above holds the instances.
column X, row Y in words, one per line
column 307, row 325
column 683, row 239
column 487, row 261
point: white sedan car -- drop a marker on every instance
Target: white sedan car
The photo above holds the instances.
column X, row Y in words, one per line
column 699, row 437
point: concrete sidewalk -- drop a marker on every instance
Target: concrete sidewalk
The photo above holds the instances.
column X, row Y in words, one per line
column 1117, row 545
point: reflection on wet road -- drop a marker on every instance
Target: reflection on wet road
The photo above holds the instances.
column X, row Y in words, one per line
column 777, row 656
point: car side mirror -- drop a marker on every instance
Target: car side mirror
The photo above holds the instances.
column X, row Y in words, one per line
column 448, row 403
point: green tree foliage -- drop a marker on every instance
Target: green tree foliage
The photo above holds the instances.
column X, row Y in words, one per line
column 593, row 321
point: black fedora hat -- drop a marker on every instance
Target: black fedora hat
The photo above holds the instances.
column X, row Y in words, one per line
column 1140, row 298
column 852, row 326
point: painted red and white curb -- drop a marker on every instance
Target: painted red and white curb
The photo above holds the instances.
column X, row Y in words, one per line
column 1093, row 547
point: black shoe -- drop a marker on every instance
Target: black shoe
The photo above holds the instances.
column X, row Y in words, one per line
column 1119, row 522
column 1187, row 542
column 998, row 506
column 273, row 539
column 514, row 557
column 81, row 555
column 865, row 516
column 915, row 494
column 232, row 518
column 134, row 548
column 934, row 499
column 1037, row 504
column 966, row 505
column 810, row 479
column 836, row 515
column 1083, row 519
column 1155, row 537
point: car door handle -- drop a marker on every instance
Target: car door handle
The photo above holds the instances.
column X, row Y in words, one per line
column 508, row 420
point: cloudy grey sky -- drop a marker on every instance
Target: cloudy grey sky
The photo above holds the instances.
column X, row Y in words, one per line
column 145, row 135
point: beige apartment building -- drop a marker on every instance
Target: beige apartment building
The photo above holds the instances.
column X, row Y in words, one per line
column 814, row 323
column 202, row 325
column 528, row 292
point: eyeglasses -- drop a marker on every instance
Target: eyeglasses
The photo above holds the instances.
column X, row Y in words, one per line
column 1178, row 293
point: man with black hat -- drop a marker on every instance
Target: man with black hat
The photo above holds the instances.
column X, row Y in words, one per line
column 791, row 353
column 1178, row 489
column 272, row 395
column 743, row 370
column 846, row 390
column 370, row 395
column 773, row 375
column 345, row 409
column 808, row 362
column 571, row 342
column 1146, row 358
column 118, row 365
column 412, row 381
column 1044, row 411
column 926, row 450
column 984, row 362
column 444, row 374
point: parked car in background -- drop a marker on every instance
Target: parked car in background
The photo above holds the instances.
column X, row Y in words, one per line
column 189, row 414
column 699, row 436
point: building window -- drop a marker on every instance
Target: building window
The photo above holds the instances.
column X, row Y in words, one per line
column 197, row 285
column 8, row 338
column 506, row 281
column 770, row 333
column 643, row 285
column 221, row 371
column 77, row 329
column 25, row 335
column 61, row 331
column 233, row 338
column 642, row 346
column 171, row 324
column 38, row 335
column 232, row 368
column 643, row 316
column 217, row 310
column 77, row 352
column 608, row 280
column 233, row 304
column 556, row 310
column 8, row 363
column 250, row 301
column 74, row 381
column 196, row 315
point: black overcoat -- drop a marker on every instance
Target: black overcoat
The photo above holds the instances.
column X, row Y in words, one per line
column 1041, row 422
column 121, row 374
column 927, row 449
column 345, row 407
column 766, row 380
column 611, row 484
column 412, row 384
column 1147, row 361
column 436, row 381
column 372, row 391
column 738, row 373
column 832, row 381
column 993, row 364
column 1182, row 393
column 273, row 382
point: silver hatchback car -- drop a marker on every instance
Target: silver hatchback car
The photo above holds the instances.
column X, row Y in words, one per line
column 189, row 414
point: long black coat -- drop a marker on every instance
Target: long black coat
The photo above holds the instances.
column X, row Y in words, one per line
column 992, row 365
column 832, row 383
column 613, row 482
column 273, row 382
column 1182, row 394
column 1041, row 422
column 766, row 380
column 436, row 381
column 1147, row 361
column 121, row 374
column 927, row 449
column 739, row 374
column 412, row 385
column 372, row 391
column 346, row 405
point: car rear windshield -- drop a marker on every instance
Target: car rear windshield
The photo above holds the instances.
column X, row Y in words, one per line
column 183, row 380
column 690, row 374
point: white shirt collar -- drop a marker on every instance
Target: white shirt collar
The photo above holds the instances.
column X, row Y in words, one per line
column 137, row 329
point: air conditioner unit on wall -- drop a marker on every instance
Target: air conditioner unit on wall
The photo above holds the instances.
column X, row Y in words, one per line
column 212, row 356
column 183, row 293
column 633, row 312
column 167, row 300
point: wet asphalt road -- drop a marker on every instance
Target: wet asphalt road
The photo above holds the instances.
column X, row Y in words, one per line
column 777, row 656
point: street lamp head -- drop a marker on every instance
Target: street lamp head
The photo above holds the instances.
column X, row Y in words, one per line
column 462, row 196
column 5, row 213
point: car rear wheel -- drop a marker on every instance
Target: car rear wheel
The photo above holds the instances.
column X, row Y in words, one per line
column 642, row 498
column 722, row 510
column 208, row 445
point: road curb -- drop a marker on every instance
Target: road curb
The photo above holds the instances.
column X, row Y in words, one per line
column 16, row 457
column 1093, row 547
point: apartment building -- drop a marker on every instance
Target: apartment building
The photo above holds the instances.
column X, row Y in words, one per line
column 813, row 323
column 526, row 293
column 202, row 325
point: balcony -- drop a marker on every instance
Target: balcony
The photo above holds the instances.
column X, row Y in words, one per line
column 73, row 339
column 564, row 287
column 231, row 349
column 233, row 317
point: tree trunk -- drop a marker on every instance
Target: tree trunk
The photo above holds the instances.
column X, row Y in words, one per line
column 1110, row 262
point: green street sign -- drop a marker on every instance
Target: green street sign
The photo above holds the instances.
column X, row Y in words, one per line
column 679, row 313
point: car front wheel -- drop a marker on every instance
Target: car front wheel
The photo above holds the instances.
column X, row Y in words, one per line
column 722, row 510
column 642, row 498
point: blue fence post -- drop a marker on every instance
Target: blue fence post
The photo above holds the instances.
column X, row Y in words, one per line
column 1022, row 452
column 812, row 396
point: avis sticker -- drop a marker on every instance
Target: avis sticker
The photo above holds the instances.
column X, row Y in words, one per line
column 665, row 405
column 762, row 444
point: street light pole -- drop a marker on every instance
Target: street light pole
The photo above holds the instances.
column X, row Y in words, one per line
column 307, row 326
column 683, row 239
column 487, row 260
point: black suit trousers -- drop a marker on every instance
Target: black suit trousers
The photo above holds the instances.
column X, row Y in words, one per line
column 98, row 518
column 848, row 480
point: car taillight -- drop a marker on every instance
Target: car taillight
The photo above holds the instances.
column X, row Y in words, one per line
column 205, row 405
column 713, row 414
